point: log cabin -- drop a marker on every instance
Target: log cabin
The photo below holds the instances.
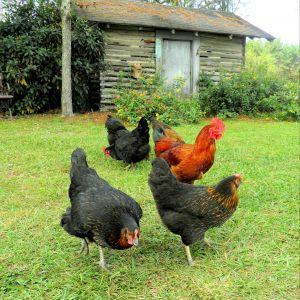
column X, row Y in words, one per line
column 143, row 38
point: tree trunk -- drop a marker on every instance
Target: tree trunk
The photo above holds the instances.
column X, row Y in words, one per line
column 66, row 94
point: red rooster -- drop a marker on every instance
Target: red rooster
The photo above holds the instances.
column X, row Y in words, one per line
column 188, row 162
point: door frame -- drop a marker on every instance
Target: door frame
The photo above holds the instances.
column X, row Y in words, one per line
column 162, row 35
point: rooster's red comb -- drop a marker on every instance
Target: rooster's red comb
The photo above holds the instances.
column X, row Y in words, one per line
column 217, row 124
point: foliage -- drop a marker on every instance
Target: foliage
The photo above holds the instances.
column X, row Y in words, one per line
column 273, row 59
column 248, row 94
column 30, row 55
column 256, row 254
column 267, row 85
column 149, row 96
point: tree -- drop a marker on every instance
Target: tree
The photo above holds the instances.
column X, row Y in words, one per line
column 31, row 55
column 66, row 94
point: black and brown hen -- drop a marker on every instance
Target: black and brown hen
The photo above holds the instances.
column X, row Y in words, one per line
column 128, row 146
column 99, row 213
column 189, row 210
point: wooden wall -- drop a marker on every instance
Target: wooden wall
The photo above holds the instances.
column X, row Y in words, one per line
column 219, row 51
column 125, row 46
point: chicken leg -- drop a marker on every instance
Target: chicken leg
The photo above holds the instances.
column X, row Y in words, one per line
column 84, row 247
column 102, row 261
column 189, row 256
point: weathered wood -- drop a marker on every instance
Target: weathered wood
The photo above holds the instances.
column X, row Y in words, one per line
column 219, row 52
column 129, row 56
column 125, row 46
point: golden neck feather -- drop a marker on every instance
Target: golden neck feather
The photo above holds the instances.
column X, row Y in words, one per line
column 229, row 202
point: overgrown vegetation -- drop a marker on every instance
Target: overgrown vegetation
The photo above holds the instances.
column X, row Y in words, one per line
column 150, row 96
column 257, row 250
column 248, row 94
column 266, row 86
column 30, row 55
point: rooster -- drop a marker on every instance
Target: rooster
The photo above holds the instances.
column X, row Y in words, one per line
column 99, row 213
column 188, row 162
column 128, row 146
column 189, row 210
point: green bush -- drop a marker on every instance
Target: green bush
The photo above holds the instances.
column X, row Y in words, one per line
column 150, row 96
column 248, row 94
column 30, row 55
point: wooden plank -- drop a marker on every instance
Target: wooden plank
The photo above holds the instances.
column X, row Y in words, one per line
column 130, row 61
column 129, row 58
column 128, row 69
column 219, row 37
column 222, row 48
column 217, row 61
column 127, row 54
column 140, row 39
column 131, row 49
column 114, row 84
column 220, row 54
column 126, row 64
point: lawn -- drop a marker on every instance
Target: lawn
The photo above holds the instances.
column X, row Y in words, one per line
column 257, row 252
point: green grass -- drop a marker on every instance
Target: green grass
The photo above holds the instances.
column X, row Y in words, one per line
column 258, row 253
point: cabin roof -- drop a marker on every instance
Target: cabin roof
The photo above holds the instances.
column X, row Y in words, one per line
column 125, row 12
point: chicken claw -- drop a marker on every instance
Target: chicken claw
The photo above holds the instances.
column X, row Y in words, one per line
column 209, row 244
column 84, row 247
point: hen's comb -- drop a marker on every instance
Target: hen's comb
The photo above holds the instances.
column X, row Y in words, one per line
column 217, row 124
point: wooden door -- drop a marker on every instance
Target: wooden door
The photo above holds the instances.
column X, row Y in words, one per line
column 176, row 61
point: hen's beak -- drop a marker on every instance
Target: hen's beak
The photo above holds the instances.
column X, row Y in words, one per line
column 136, row 242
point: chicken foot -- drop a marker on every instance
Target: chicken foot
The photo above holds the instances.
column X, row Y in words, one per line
column 84, row 247
column 209, row 243
column 102, row 263
column 189, row 256
column 130, row 166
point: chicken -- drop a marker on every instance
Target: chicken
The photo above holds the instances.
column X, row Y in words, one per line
column 189, row 210
column 130, row 147
column 188, row 162
column 99, row 213
column 161, row 130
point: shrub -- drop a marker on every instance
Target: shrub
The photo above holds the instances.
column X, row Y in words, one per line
column 30, row 55
column 247, row 94
column 150, row 96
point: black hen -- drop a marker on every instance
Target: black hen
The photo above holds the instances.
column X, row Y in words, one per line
column 189, row 210
column 129, row 146
column 99, row 213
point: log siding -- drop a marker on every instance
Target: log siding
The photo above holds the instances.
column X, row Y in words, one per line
column 128, row 45
column 221, row 52
column 125, row 46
